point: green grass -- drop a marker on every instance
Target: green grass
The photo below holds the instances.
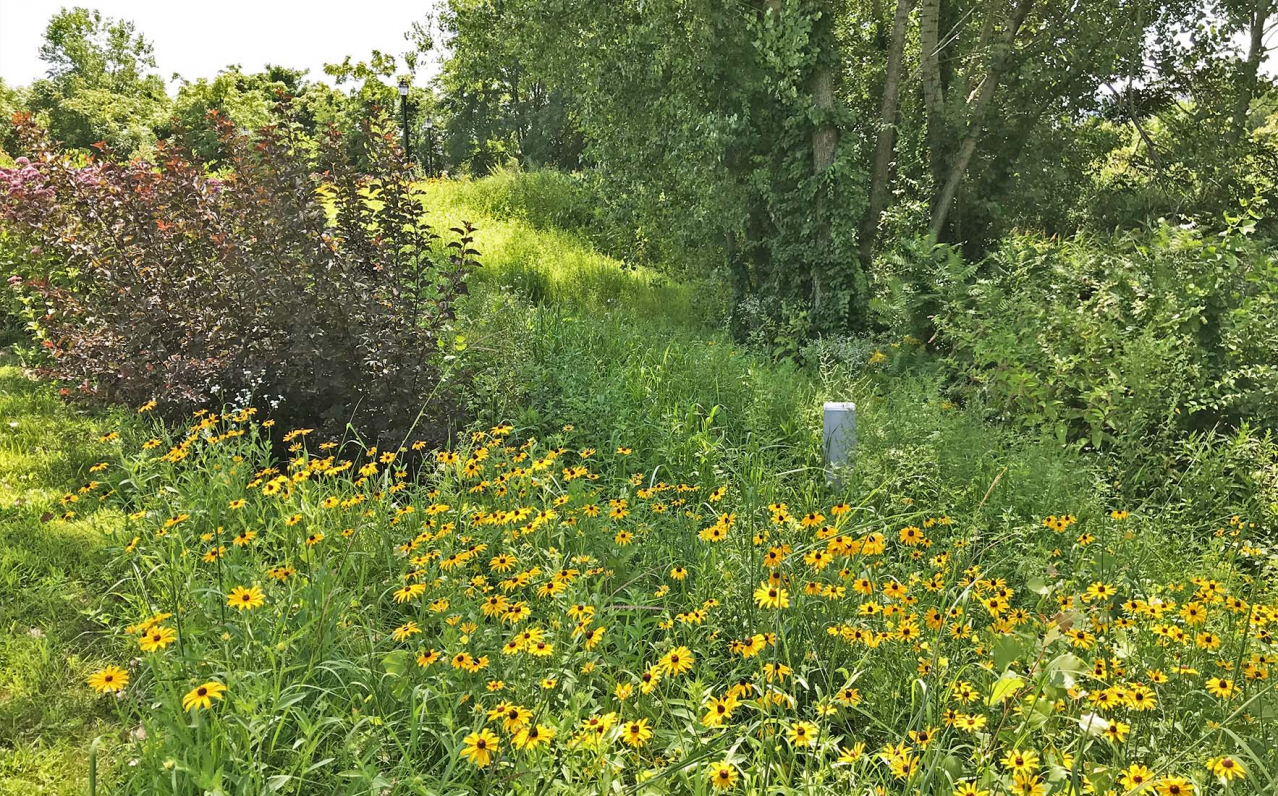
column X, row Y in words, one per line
column 550, row 266
column 50, row 581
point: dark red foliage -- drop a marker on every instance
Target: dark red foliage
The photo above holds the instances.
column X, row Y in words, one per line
column 317, row 294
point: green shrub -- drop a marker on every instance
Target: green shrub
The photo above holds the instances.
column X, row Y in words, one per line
column 1132, row 337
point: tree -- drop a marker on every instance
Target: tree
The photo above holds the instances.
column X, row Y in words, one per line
column 101, row 83
column 737, row 135
column 1253, row 17
column 979, row 104
column 495, row 108
column 11, row 101
column 887, row 127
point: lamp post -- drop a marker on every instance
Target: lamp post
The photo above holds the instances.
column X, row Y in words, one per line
column 403, row 106
column 430, row 147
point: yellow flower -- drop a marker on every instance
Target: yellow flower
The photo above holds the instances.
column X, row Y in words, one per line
column 406, row 630
column 851, row 754
column 719, row 711
column 1175, row 786
column 1027, row 785
column 513, row 717
column 1019, row 762
column 969, row 789
column 110, row 679
column 1100, row 591
column 202, row 696
column 243, row 599
column 157, row 638
column 803, row 733
column 770, row 596
column 1220, row 687
column 636, row 733
column 1227, row 768
column 722, row 775
column 1136, row 777
column 1116, row 731
column 676, row 661
column 409, row 592
column 533, row 736
column 479, row 747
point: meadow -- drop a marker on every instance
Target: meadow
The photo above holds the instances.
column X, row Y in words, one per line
column 628, row 574
column 447, row 419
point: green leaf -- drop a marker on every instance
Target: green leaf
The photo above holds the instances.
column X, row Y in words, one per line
column 1007, row 650
column 1066, row 670
column 1005, row 687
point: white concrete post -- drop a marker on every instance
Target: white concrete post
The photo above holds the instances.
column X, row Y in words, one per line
column 839, row 439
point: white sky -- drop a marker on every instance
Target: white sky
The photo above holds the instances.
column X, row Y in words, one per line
column 197, row 39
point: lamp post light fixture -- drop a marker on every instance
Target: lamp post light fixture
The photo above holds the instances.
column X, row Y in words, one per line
column 403, row 106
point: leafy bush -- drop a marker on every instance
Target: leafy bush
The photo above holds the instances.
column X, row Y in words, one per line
column 319, row 295
column 1138, row 337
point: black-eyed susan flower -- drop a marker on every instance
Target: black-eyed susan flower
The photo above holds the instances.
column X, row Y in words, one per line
column 405, row 631
column 532, row 737
column 1221, row 687
column 1175, row 786
column 636, row 734
column 109, row 680
column 244, row 599
column 722, row 776
column 1021, row 762
column 719, row 710
column 1227, row 768
column 157, row 638
column 677, row 661
column 479, row 747
column 202, row 696
column 802, row 734
column 409, row 592
column 771, row 596
column 1135, row 777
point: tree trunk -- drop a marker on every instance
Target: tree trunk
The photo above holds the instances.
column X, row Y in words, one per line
column 976, row 118
column 825, row 136
column 825, row 139
column 879, row 177
column 1251, row 68
column 930, row 73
